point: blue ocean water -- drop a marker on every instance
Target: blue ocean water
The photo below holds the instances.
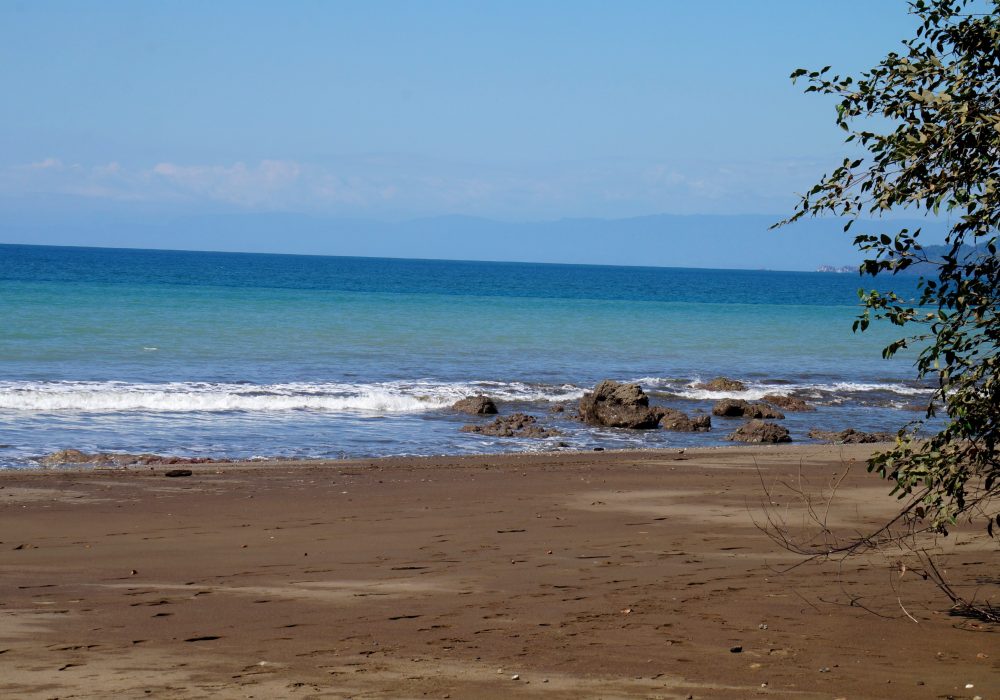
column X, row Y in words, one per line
column 247, row 355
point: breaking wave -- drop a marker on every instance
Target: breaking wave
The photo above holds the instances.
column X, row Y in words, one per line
column 377, row 398
column 688, row 389
column 395, row 397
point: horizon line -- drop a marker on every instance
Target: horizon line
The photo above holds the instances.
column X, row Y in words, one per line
column 382, row 257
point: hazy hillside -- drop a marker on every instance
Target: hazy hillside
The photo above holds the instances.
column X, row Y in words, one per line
column 743, row 242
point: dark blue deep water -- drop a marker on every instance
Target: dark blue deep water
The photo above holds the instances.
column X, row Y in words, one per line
column 245, row 355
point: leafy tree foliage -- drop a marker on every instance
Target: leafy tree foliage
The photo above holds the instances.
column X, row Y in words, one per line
column 925, row 123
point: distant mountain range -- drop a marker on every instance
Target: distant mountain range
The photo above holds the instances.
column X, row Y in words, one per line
column 665, row 240
column 937, row 253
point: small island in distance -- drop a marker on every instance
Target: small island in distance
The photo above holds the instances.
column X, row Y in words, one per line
column 933, row 256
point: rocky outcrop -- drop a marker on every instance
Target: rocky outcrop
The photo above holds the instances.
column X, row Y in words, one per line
column 515, row 425
column 119, row 459
column 850, row 436
column 730, row 408
column 615, row 405
column 762, row 410
column 722, row 384
column 759, row 431
column 476, row 406
column 789, row 403
column 738, row 408
column 678, row 421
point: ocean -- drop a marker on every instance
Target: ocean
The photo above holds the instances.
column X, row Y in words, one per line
column 245, row 356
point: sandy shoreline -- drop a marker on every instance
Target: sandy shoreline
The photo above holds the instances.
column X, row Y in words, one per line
column 607, row 574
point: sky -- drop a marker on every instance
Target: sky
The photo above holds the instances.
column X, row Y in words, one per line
column 389, row 111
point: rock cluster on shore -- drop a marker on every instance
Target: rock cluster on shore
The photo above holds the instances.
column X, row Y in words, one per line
column 678, row 421
column 515, row 425
column 722, row 384
column 850, row 436
column 615, row 405
column 738, row 408
column 476, row 406
column 760, row 431
column 726, row 384
column 789, row 403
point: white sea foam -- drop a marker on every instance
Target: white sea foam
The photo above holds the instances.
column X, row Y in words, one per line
column 375, row 398
column 757, row 390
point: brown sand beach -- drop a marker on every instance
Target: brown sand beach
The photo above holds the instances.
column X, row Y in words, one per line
column 611, row 575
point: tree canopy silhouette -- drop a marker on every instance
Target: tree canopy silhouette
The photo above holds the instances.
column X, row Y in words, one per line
column 924, row 126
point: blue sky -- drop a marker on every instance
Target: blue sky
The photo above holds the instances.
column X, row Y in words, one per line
column 392, row 110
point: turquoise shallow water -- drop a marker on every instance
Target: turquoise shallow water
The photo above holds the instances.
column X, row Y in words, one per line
column 235, row 355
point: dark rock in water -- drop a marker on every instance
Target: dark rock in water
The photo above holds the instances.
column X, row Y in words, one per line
column 759, row 431
column 476, row 406
column 615, row 405
column 558, row 408
column 738, row 408
column 179, row 472
column 789, row 403
column 722, row 384
column 730, row 408
column 762, row 410
column 515, row 425
column 118, row 459
column 851, row 437
column 679, row 421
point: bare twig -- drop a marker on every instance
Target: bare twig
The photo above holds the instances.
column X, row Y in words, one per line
column 902, row 541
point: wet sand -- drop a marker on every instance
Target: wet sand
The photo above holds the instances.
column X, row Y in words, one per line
column 611, row 575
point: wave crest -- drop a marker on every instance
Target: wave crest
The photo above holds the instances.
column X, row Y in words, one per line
column 377, row 398
column 755, row 391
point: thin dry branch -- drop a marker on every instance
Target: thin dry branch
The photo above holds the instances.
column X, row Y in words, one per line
column 902, row 538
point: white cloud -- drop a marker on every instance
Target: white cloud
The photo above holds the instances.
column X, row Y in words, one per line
column 399, row 186
column 267, row 183
column 47, row 164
